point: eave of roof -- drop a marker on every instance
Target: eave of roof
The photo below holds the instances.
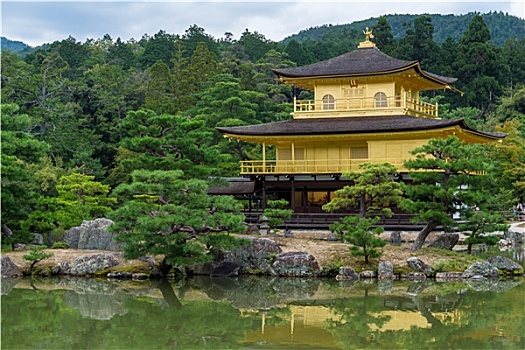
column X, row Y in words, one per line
column 350, row 125
column 360, row 62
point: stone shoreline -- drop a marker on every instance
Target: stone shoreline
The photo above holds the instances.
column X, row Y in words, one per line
column 263, row 257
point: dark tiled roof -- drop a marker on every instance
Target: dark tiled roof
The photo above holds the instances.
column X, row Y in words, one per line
column 363, row 61
column 350, row 125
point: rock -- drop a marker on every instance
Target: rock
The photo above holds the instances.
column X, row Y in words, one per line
column 64, row 267
column 56, row 270
column 368, row 274
column 93, row 234
column 385, row 270
column 415, row 276
column 506, row 265
column 445, row 241
column 251, row 229
column 395, row 238
column 288, row 234
column 39, row 239
column 139, row 276
column 20, row 246
column 448, row 276
column 226, row 269
column 481, row 270
column 515, row 237
column 295, row 264
column 418, row 265
column 347, row 273
column 120, row 275
column 507, row 242
column 9, row 269
column 255, row 258
column 88, row 265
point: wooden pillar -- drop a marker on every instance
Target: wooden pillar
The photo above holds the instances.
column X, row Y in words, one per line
column 304, row 198
column 263, row 204
column 264, row 156
column 292, row 194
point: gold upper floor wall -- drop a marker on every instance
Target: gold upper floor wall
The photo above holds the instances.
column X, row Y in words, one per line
column 397, row 93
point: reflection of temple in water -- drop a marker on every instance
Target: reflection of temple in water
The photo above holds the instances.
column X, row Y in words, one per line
column 310, row 324
column 293, row 325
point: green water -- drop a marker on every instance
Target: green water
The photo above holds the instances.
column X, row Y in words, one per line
column 261, row 313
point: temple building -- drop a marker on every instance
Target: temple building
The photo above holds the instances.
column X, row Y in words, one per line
column 366, row 107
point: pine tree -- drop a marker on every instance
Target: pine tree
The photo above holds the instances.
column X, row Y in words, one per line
column 446, row 174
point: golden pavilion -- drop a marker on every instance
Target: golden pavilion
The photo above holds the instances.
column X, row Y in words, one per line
column 366, row 108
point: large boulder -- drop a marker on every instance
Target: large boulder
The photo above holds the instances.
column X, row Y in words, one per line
column 347, row 273
column 254, row 258
column 385, row 270
column 93, row 234
column 39, row 239
column 418, row 265
column 395, row 238
column 9, row 269
column 295, row 264
column 257, row 256
column 226, row 269
column 481, row 270
column 89, row 265
column 449, row 276
column 445, row 241
column 506, row 265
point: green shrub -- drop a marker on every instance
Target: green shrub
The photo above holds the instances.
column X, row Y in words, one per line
column 60, row 245
column 36, row 254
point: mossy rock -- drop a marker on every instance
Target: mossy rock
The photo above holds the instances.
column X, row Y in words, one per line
column 133, row 268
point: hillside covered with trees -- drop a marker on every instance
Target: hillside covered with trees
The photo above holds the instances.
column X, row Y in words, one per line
column 501, row 27
column 85, row 124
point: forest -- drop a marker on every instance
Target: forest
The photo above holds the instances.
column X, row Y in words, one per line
column 95, row 127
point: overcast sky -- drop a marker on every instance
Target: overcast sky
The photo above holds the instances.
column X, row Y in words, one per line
column 38, row 22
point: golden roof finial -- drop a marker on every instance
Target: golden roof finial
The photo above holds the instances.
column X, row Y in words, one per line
column 368, row 35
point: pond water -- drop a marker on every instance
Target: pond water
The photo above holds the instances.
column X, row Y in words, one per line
column 261, row 313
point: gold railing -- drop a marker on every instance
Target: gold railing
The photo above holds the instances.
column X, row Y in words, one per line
column 326, row 166
column 362, row 104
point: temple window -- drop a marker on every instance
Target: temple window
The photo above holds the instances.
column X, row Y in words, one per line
column 380, row 100
column 359, row 152
column 328, row 102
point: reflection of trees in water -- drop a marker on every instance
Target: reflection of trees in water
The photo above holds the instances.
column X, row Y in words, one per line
column 253, row 292
column 456, row 318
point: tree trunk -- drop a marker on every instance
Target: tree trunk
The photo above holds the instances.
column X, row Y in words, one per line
column 469, row 248
column 167, row 293
column 7, row 231
column 362, row 206
column 422, row 235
